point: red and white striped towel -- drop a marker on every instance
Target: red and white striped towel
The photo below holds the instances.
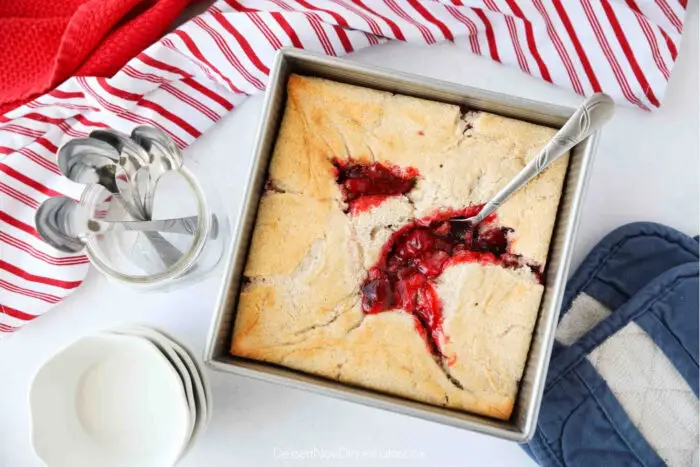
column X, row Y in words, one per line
column 194, row 75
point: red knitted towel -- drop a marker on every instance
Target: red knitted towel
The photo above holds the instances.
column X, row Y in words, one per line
column 43, row 43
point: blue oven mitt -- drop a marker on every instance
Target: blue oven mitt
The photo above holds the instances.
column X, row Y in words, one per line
column 622, row 387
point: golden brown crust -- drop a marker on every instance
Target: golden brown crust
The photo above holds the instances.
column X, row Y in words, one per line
column 300, row 163
column 488, row 322
column 308, row 258
column 284, row 216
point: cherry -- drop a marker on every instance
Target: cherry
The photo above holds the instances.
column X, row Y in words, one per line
column 372, row 179
column 493, row 240
column 377, row 295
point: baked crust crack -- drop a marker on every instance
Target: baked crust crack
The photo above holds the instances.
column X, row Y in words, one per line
column 338, row 311
column 272, row 187
column 346, row 147
column 450, row 377
column 355, row 326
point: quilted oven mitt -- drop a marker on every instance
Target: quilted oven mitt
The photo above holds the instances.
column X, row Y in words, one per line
column 622, row 388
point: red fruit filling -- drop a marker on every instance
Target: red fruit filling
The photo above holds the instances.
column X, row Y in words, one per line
column 417, row 254
column 367, row 184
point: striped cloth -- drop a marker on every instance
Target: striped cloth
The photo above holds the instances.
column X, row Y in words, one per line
column 204, row 69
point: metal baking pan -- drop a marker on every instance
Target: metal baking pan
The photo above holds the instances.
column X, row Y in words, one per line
column 522, row 423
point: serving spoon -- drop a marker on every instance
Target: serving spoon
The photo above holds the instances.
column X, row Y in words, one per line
column 132, row 158
column 156, row 134
column 595, row 111
column 61, row 225
column 164, row 156
column 52, row 223
column 59, row 215
column 88, row 161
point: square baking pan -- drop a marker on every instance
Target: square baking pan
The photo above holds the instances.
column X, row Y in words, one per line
column 522, row 423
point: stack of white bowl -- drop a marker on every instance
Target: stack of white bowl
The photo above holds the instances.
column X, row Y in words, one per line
column 130, row 396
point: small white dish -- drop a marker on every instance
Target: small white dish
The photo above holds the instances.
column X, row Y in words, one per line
column 202, row 390
column 163, row 344
column 198, row 375
column 109, row 400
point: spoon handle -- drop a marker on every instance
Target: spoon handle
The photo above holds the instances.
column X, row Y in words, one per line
column 166, row 251
column 589, row 117
column 178, row 225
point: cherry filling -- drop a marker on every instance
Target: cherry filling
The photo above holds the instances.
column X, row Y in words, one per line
column 418, row 253
column 365, row 185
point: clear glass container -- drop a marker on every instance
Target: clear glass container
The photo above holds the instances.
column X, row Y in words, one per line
column 159, row 260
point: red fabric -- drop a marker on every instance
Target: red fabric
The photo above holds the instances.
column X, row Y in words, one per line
column 45, row 42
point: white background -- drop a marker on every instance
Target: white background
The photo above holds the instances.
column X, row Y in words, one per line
column 646, row 169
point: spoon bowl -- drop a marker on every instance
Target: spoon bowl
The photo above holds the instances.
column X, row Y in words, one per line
column 164, row 156
column 52, row 221
column 132, row 158
column 86, row 160
column 145, row 133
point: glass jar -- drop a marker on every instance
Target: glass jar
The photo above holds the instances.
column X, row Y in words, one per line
column 159, row 260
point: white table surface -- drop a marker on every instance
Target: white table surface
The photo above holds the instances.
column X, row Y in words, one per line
column 646, row 169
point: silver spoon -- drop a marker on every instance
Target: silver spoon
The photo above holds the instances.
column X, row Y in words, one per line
column 85, row 152
column 61, row 224
column 156, row 134
column 588, row 118
column 58, row 221
column 52, row 223
column 132, row 158
column 88, row 161
column 91, row 161
column 164, row 156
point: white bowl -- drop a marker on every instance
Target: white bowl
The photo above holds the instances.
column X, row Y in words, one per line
column 198, row 375
column 109, row 400
column 165, row 346
column 200, row 387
